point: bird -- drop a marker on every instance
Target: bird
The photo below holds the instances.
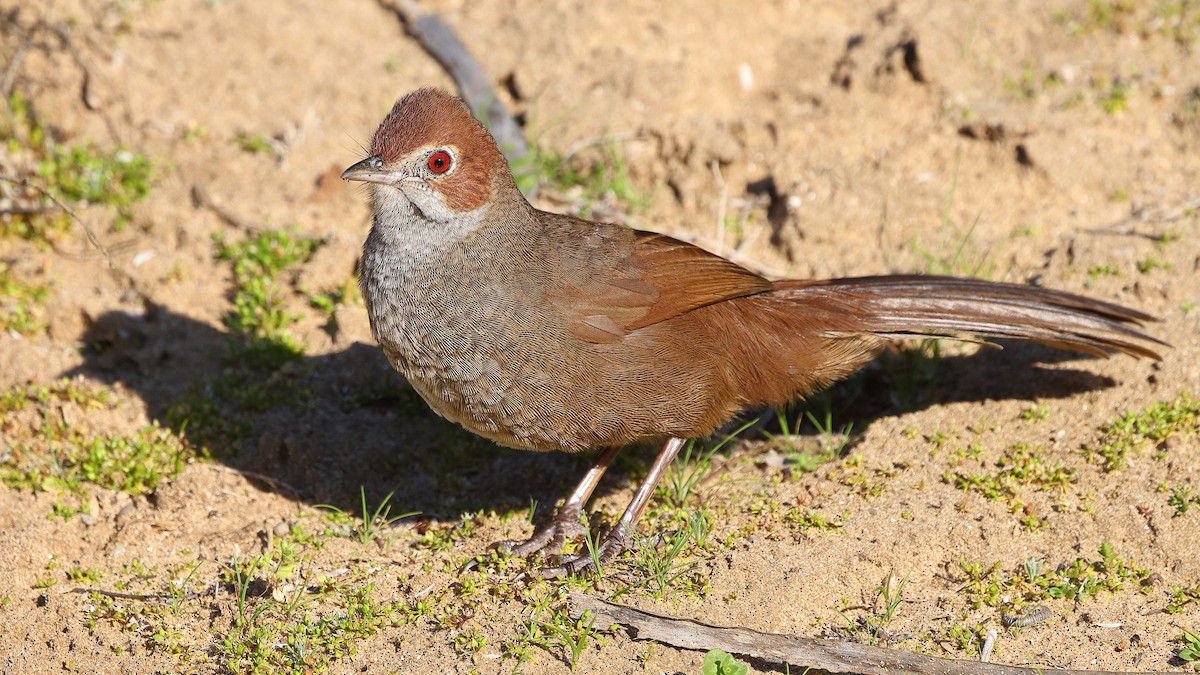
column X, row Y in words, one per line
column 544, row 331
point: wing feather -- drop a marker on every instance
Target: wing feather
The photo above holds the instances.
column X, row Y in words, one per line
column 653, row 278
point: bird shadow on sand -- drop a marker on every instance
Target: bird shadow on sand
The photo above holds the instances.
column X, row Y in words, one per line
column 327, row 426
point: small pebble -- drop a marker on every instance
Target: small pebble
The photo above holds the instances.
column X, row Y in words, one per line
column 281, row 529
column 143, row 257
column 746, row 76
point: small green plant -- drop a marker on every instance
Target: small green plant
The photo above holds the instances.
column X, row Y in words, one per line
column 717, row 662
column 65, row 459
column 258, row 318
column 20, row 303
column 1183, row 498
column 871, row 626
column 1097, row 271
column 1112, row 15
column 592, row 541
column 967, row 639
column 1172, row 19
column 891, row 592
column 912, row 369
column 1182, row 597
column 574, row 638
column 1147, row 265
column 604, row 178
column 148, row 619
column 84, row 575
column 372, row 519
column 329, row 302
column 804, row 520
column 78, row 175
column 558, row 632
column 833, row 443
column 1109, row 13
column 662, row 570
column 1036, row 413
column 442, row 538
column 1123, row 436
column 1020, row 465
column 685, row 474
column 84, row 174
column 269, row 639
column 262, row 369
column 1116, row 99
column 867, row 482
column 689, row 469
column 257, row 144
column 1032, row 569
column 1024, row 87
column 1032, row 583
column 955, row 251
column 76, row 391
column 1191, row 648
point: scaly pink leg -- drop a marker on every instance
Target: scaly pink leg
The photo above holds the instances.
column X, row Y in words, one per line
column 617, row 539
column 565, row 524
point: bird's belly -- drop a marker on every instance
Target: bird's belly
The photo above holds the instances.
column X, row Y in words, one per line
column 493, row 401
column 494, row 384
column 536, row 387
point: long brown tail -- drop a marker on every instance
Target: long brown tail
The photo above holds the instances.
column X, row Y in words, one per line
column 912, row 306
column 770, row 348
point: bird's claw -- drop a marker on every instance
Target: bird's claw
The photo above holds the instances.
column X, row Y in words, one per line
column 610, row 547
column 548, row 539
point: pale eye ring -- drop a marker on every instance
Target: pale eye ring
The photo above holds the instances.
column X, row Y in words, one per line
column 439, row 162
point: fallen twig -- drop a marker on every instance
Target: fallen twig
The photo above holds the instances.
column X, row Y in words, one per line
column 91, row 235
column 442, row 43
column 1127, row 226
column 202, row 199
column 829, row 655
column 255, row 476
column 146, row 597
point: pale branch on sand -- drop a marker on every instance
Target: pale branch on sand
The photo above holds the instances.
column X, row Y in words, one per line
column 474, row 85
column 829, row 655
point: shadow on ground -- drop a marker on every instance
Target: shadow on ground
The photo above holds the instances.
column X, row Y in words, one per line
column 345, row 420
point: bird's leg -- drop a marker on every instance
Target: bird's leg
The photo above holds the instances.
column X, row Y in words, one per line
column 566, row 521
column 617, row 538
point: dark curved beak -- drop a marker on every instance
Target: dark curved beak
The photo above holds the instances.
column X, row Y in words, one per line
column 370, row 170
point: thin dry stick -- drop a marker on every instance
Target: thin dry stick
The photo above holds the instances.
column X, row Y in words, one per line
column 255, row 476
column 829, row 655
column 10, row 72
column 202, row 199
column 160, row 597
column 91, row 235
column 1126, row 227
column 442, row 43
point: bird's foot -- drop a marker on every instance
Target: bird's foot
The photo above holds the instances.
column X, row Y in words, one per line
column 549, row 539
column 610, row 547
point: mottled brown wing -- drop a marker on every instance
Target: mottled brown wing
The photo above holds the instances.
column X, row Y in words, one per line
column 657, row 278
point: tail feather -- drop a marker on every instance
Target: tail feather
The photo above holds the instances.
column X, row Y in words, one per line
column 914, row 306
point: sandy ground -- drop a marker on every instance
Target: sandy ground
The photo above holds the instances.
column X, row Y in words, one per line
column 1056, row 143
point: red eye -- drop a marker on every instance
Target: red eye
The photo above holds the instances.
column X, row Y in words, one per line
column 439, row 162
